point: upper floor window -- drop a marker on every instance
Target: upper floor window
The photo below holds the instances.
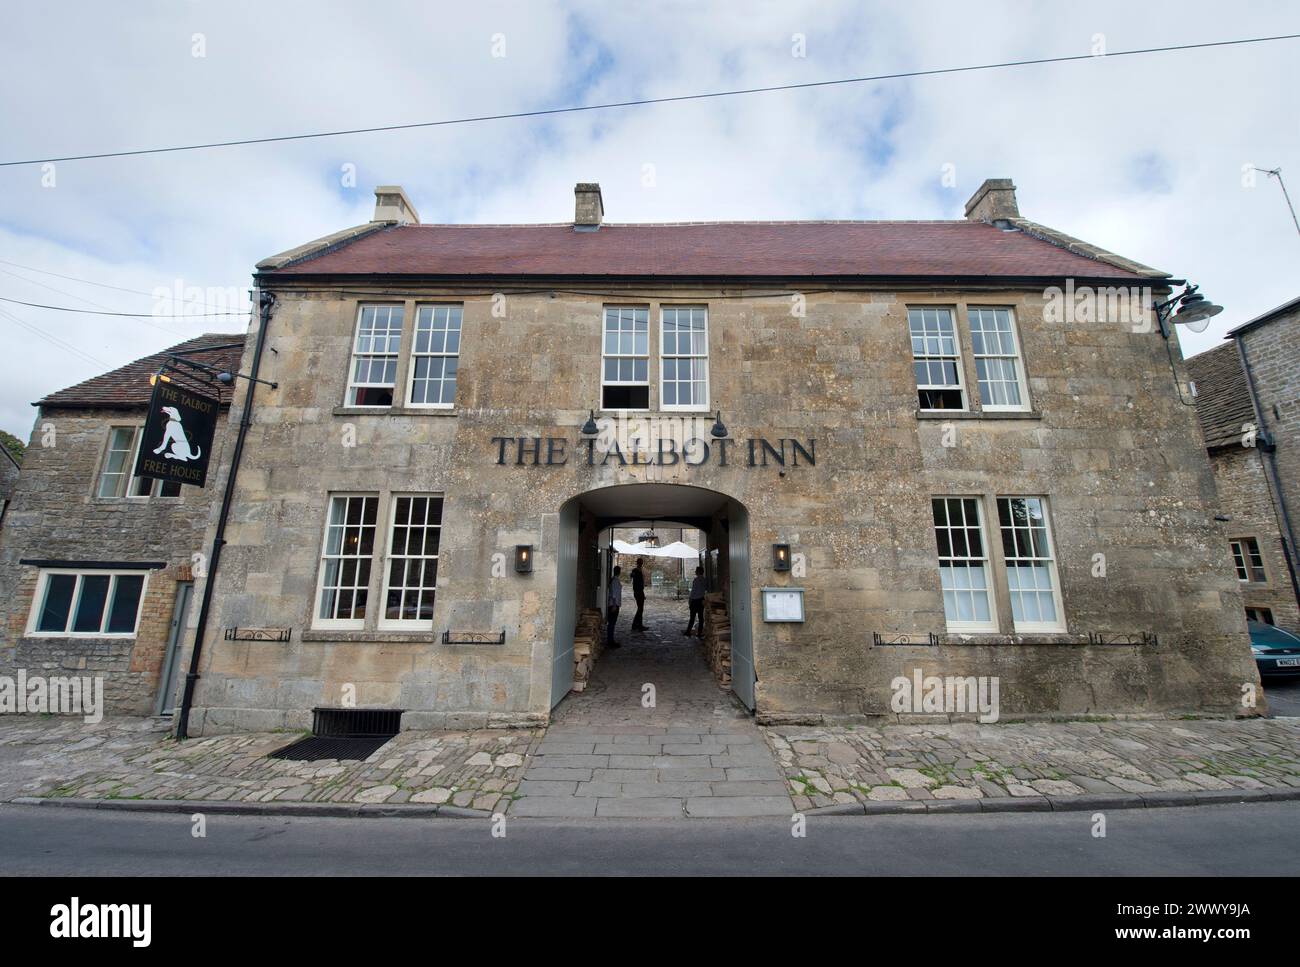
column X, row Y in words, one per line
column 346, row 557
column 998, row 365
column 373, row 371
column 936, row 359
column 625, row 358
column 115, row 478
column 684, row 334
column 435, row 355
column 1031, row 564
column 87, row 603
column 1249, row 562
column 963, row 564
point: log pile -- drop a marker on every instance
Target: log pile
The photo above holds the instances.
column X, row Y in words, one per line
column 587, row 646
column 717, row 637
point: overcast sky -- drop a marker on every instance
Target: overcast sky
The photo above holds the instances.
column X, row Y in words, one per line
column 1142, row 155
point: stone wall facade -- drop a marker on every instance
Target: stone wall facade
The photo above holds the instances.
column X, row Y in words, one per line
column 1272, row 350
column 1107, row 442
column 56, row 515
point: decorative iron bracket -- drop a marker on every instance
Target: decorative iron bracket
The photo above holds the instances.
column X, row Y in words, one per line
column 450, row 637
column 258, row 634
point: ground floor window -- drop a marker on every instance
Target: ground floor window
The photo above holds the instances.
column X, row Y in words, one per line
column 1263, row 615
column 345, row 561
column 412, row 579
column 1030, row 563
column 1248, row 561
column 963, row 564
column 87, row 603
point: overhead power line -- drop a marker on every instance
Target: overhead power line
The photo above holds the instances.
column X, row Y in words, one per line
column 129, row 315
column 102, row 285
column 611, row 105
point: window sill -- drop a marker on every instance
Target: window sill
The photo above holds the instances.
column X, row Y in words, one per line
column 979, row 415
column 392, row 411
column 381, row 637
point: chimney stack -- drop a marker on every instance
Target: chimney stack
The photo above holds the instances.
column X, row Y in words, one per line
column 588, row 207
column 392, row 205
column 993, row 200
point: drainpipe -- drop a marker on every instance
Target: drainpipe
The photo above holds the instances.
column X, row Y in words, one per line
column 266, row 301
column 1267, row 447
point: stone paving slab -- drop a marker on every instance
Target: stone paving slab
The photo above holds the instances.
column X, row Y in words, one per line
column 1153, row 760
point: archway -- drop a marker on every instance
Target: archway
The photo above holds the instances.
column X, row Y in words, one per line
column 722, row 520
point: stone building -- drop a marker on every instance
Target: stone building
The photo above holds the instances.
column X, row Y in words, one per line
column 1248, row 401
column 967, row 467
column 10, row 469
column 95, row 564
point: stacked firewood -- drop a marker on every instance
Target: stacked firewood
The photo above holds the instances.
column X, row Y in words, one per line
column 717, row 637
column 587, row 645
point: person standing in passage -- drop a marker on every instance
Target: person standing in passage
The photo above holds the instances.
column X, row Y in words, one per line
column 613, row 601
column 698, row 590
column 638, row 593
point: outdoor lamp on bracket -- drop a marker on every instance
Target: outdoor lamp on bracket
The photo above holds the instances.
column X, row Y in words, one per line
column 1188, row 308
column 719, row 430
column 589, row 428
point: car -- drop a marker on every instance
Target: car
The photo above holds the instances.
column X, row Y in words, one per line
column 1277, row 652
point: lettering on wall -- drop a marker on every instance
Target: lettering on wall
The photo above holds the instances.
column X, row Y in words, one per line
column 558, row 452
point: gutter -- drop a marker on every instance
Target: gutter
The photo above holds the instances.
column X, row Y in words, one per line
column 1267, row 448
column 266, row 302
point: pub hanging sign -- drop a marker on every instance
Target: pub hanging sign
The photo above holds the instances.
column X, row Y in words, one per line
column 178, row 435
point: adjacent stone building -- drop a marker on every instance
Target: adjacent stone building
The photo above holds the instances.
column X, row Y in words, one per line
column 10, row 469
column 1248, row 401
column 96, row 566
column 907, row 446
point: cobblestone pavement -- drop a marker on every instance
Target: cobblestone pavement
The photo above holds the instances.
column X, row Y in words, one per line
column 841, row 765
column 131, row 759
column 695, row 752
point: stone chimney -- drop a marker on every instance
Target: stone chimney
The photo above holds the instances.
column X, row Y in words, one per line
column 993, row 200
column 392, row 205
column 588, row 206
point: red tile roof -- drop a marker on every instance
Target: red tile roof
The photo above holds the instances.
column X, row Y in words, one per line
column 129, row 386
column 706, row 250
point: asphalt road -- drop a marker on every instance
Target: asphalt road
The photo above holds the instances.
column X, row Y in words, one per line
column 1255, row 838
column 1283, row 695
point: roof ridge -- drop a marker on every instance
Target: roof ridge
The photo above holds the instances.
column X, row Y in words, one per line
column 742, row 221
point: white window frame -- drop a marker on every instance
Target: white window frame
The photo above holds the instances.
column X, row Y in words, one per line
column 344, row 624
column 1241, row 560
column 990, row 585
column 408, row 624
column 956, row 358
column 1017, row 358
column 395, row 355
column 701, row 358
column 42, row 589
column 127, row 474
column 1053, row 572
column 416, row 354
column 604, row 355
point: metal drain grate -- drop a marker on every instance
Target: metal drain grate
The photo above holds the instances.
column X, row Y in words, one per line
column 344, row 733
column 316, row 747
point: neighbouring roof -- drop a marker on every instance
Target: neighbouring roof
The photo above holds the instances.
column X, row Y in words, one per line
column 1222, row 395
column 920, row 249
column 1281, row 310
column 129, row 386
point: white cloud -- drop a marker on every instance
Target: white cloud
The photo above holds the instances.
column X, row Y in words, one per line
column 1142, row 155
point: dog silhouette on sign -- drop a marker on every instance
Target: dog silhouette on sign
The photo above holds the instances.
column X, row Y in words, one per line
column 174, row 437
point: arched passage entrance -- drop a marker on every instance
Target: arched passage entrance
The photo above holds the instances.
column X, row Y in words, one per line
column 722, row 520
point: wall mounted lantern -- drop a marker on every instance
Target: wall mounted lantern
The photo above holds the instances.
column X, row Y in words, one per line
column 719, row 429
column 780, row 557
column 524, row 558
column 589, row 428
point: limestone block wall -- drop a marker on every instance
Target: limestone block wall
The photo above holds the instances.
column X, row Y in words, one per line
column 1119, row 458
column 56, row 515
